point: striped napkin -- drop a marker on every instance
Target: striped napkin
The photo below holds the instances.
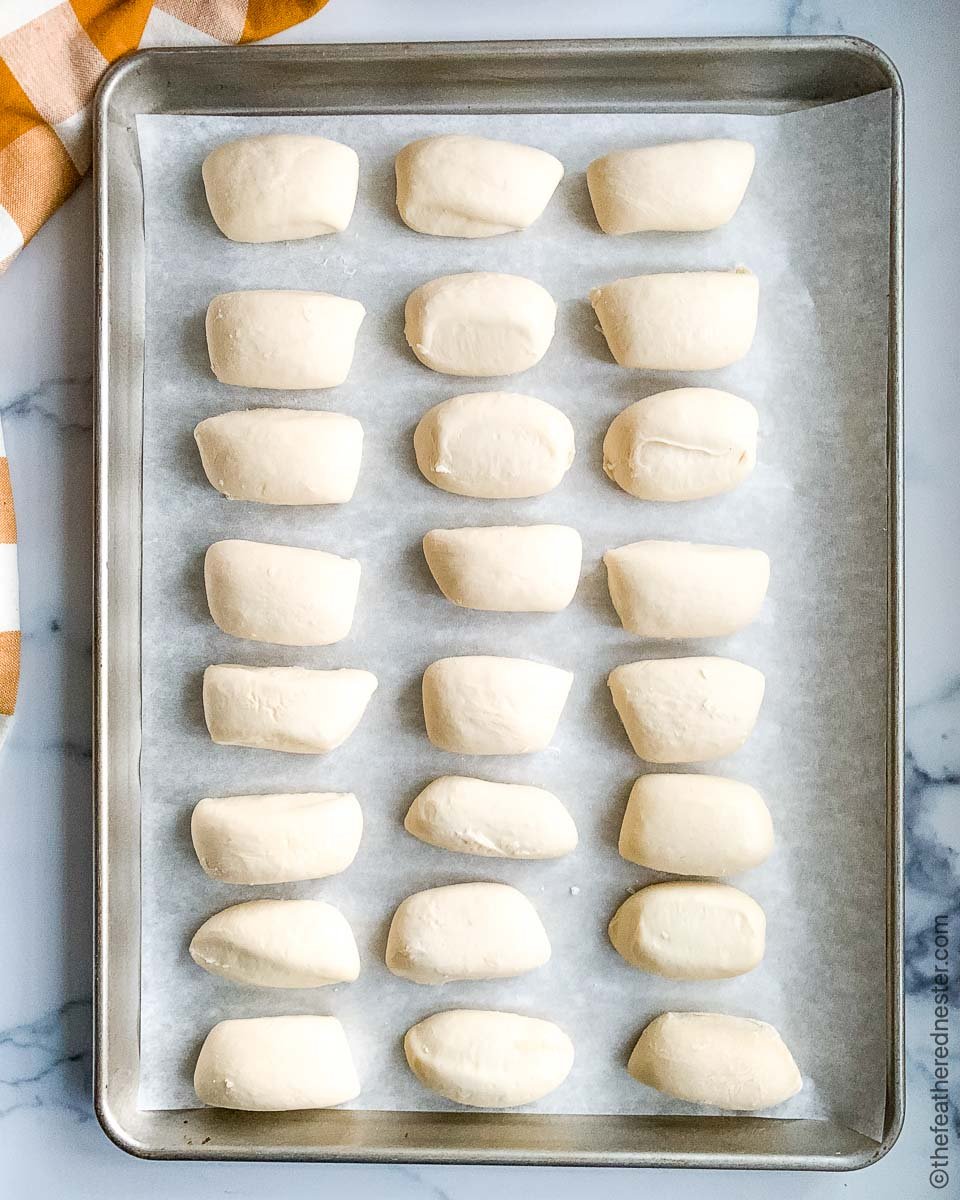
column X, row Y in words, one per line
column 9, row 607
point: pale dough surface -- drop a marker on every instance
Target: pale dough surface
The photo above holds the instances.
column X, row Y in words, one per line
column 495, row 820
column 282, row 455
column 482, row 704
column 276, row 838
column 695, row 825
column 506, row 568
column 456, row 185
column 690, row 930
column 686, row 710
column 276, row 1064
column 487, row 1059
column 281, row 186
column 681, row 321
column 284, row 708
column 494, row 445
column 466, row 931
column 480, row 323
column 286, row 340
column 734, row 1063
column 678, row 186
column 278, row 944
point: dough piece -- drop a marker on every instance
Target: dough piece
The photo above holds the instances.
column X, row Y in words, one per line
column 682, row 590
column 473, row 187
column 683, row 444
column 479, row 323
column 684, row 710
column 284, row 708
column 480, row 704
column 278, row 944
column 496, row 820
column 282, row 455
column 466, row 931
column 686, row 321
column 276, row 839
column 494, row 445
column 690, row 931
column 276, row 1064
column 695, row 825
column 281, row 594
column 287, row 340
column 506, row 568
column 488, row 1059
column 280, row 186
column 733, row 1063
column 681, row 186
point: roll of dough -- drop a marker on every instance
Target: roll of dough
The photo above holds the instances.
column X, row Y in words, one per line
column 496, row 820
column 278, row 838
column 276, row 1064
column 733, row 1063
column 480, row 704
column 286, row 340
column 282, row 594
column 695, row 825
column 278, row 944
column 473, row 187
column 684, row 444
column 690, row 931
column 284, row 708
column 480, row 323
column 506, row 568
column 280, row 186
column 685, row 321
column 683, row 590
column 494, row 445
column 282, row 455
column 466, row 931
column 685, row 710
column 680, row 186
column 488, row 1059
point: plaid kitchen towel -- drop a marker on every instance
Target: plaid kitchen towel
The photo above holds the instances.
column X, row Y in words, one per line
column 9, row 608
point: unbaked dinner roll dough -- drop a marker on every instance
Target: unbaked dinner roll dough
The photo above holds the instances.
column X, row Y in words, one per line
column 496, row 820
column 728, row 1062
column 684, row 321
column 488, row 1059
column 686, row 590
column 685, row 710
column 481, row 704
column 282, row 594
column 473, row 187
column 494, row 445
column 276, row 1064
column 684, row 444
column 276, row 838
column 284, row 708
column 466, row 931
column 282, row 455
column 506, row 568
column 278, row 944
column 479, row 323
column 690, row 931
column 680, row 186
column 279, row 186
column 288, row 340
column 695, row 825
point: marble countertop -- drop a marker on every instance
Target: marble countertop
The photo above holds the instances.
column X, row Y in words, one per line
column 50, row 1143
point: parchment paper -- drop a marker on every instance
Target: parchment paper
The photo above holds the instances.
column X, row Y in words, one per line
column 814, row 228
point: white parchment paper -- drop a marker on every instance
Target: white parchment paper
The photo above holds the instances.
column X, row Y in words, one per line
column 814, row 228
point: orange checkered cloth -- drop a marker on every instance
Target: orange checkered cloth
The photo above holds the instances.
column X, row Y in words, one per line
column 51, row 58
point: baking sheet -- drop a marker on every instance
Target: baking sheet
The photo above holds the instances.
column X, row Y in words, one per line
column 814, row 227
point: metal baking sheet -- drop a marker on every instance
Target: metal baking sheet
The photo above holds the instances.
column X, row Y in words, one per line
column 518, row 1122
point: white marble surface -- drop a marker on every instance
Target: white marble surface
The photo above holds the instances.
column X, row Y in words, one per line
column 50, row 1143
